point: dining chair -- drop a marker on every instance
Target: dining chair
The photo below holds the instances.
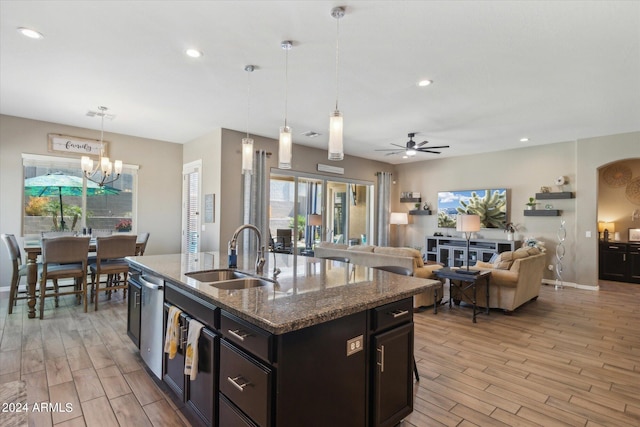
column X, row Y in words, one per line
column 142, row 240
column 19, row 270
column 110, row 253
column 404, row 272
column 52, row 234
column 64, row 258
column 101, row 232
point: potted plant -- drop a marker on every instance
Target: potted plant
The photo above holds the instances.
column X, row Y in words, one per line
column 531, row 204
column 123, row 225
column 510, row 229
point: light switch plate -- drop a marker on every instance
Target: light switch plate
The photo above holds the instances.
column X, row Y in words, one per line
column 355, row 345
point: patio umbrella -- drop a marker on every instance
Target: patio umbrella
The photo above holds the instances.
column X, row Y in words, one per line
column 59, row 184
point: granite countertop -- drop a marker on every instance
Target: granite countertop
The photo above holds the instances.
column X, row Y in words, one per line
column 309, row 290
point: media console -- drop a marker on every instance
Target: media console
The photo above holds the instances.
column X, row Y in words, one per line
column 452, row 251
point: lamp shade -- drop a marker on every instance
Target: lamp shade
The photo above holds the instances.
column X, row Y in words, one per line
column 467, row 223
column 611, row 226
column 314, row 220
column 336, row 151
column 399, row 218
column 284, row 148
column 247, row 155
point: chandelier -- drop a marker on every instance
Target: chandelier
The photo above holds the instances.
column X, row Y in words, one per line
column 109, row 172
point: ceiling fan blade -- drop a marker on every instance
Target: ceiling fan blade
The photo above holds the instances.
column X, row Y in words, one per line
column 429, row 151
column 394, row 153
column 422, row 143
column 434, row 147
column 388, row 149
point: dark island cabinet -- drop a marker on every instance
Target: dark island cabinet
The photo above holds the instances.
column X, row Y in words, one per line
column 392, row 363
column 619, row 262
column 199, row 394
column 134, row 313
column 354, row 370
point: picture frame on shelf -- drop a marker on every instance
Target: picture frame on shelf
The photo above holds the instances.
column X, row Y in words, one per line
column 634, row 234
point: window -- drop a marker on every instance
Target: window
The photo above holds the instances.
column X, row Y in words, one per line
column 69, row 206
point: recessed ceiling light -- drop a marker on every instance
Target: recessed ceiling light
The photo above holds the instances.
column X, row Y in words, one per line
column 194, row 53
column 524, row 139
column 28, row 32
column 423, row 83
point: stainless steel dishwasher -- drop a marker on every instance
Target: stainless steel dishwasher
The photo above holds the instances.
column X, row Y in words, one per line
column 151, row 340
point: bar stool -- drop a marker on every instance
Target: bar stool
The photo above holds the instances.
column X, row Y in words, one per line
column 62, row 258
column 110, row 253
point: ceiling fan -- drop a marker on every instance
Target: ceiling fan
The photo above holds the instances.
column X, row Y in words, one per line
column 411, row 147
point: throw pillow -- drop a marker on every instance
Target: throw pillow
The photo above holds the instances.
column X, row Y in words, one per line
column 504, row 261
column 520, row 253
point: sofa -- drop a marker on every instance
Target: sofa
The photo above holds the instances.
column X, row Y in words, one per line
column 379, row 256
column 516, row 277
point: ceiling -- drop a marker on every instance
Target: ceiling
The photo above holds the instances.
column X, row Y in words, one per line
column 502, row 70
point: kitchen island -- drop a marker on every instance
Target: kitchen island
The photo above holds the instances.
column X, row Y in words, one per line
column 326, row 343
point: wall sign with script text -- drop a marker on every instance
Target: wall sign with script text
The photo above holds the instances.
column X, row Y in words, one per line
column 75, row 145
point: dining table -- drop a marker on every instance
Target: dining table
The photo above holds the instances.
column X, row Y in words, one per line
column 32, row 249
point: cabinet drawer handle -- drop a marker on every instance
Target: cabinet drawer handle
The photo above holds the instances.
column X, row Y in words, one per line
column 136, row 300
column 183, row 336
column 235, row 383
column 239, row 334
column 381, row 362
column 614, row 247
column 398, row 313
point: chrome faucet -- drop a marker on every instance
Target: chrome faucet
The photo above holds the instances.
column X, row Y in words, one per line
column 233, row 244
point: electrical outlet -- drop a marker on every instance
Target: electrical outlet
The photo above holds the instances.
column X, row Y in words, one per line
column 355, row 345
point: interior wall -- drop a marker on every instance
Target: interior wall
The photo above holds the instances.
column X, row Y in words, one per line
column 591, row 155
column 208, row 148
column 159, row 179
column 613, row 204
column 522, row 171
column 304, row 159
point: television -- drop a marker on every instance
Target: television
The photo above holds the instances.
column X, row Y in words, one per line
column 489, row 204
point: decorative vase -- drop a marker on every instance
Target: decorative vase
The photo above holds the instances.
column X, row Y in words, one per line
column 510, row 236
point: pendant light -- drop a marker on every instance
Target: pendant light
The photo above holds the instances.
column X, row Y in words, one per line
column 336, row 150
column 104, row 165
column 247, row 143
column 284, row 145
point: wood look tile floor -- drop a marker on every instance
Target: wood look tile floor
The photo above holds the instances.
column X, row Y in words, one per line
column 571, row 358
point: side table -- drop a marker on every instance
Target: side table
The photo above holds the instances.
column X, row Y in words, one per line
column 464, row 283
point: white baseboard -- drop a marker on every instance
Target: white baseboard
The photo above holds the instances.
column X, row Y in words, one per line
column 552, row 282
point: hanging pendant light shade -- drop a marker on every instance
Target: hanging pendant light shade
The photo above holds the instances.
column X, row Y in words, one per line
column 336, row 124
column 247, row 143
column 285, row 140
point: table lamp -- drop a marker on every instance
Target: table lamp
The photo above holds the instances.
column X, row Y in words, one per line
column 468, row 224
column 399, row 218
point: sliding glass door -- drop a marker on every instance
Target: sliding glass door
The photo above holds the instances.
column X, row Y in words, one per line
column 306, row 209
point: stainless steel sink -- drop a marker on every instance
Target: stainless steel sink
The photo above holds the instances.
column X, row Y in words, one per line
column 246, row 283
column 216, row 275
column 228, row 279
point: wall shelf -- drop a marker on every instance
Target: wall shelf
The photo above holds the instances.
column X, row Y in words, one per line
column 410, row 200
column 542, row 212
column 556, row 195
column 419, row 212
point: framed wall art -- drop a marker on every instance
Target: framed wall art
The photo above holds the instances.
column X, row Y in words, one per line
column 66, row 144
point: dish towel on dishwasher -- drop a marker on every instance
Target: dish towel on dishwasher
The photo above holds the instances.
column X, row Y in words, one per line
column 173, row 328
column 191, row 355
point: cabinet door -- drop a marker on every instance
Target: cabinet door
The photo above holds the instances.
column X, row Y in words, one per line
column 613, row 262
column 392, row 354
column 133, row 316
column 173, row 369
column 201, row 393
